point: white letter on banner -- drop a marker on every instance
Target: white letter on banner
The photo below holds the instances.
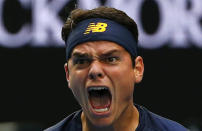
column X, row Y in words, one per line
column 13, row 40
column 162, row 34
column 194, row 27
column 178, row 24
column 88, row 4
column 46, row 22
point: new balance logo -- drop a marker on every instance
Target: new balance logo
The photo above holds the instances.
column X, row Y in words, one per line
column 99, row 27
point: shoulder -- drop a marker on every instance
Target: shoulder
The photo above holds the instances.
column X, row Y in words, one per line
column 155, row 122
column 167, row 124
column 68, row 122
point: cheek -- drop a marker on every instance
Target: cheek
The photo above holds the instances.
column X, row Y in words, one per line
column 124, row 75
column 76, row 79
column 125, row 87
column 76, row 84
column 123, row 80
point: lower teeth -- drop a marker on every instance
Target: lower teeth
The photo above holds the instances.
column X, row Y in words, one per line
column 101, row 110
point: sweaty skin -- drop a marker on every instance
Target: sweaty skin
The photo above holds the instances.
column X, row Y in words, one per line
column 104, row 63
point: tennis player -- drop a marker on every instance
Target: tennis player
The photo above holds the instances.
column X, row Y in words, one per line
column 102, row 69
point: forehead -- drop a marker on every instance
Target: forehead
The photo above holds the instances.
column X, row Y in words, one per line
column 98, row 46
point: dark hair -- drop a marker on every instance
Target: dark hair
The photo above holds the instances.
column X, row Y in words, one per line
column 113, row 14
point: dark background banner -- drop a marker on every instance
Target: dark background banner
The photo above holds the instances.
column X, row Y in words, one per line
column 33, row 88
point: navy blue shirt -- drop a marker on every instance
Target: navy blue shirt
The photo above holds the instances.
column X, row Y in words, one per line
column 148, row 121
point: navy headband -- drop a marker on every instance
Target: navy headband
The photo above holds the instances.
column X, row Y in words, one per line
column 97, row 29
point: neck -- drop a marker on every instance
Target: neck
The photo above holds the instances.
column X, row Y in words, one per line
column 128, row 121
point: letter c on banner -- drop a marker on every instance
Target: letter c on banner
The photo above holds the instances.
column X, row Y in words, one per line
column 13, row 40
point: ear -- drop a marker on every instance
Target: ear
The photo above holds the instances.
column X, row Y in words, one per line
column 67, row 73
column 139, row 69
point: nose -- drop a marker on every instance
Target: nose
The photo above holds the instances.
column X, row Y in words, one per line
column 95, row 71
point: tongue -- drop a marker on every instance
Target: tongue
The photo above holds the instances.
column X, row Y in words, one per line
column 100, row 101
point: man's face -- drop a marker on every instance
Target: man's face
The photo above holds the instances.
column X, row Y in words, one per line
column 101, row 77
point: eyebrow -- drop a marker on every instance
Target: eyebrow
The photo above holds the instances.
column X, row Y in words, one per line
column 105, row 54
column 79, row 54
column 108, row 53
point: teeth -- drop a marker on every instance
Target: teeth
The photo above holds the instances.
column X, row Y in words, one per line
column 101, row 110
column 96, row 88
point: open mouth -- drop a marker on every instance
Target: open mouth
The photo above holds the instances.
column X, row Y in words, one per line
column 100, row 98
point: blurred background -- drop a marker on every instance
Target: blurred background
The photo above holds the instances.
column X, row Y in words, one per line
column 33, row 90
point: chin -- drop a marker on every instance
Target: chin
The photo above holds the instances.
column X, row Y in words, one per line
column 102, row 123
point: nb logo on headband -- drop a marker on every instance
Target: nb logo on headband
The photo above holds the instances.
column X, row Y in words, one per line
column 99, row 27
